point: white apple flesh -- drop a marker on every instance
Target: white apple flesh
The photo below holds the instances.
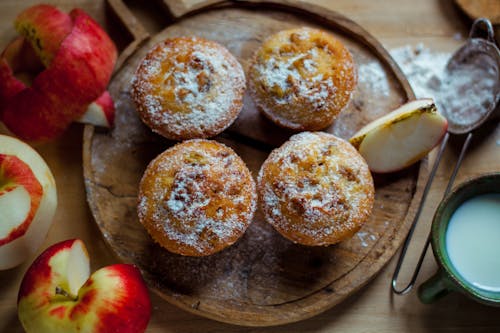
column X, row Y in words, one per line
column 19, row 202
column 58, row 296
column 26, row 213
column 402, row 137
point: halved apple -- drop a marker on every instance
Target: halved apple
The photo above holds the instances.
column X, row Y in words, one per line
column 402, row 137
column 28, row 201
column 58, row 294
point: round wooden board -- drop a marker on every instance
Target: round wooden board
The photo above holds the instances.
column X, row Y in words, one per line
column 263, row 279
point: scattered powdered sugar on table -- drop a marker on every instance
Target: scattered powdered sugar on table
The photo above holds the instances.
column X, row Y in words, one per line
column 463, row 94
column 423, row 68
column 362, row 238
column 372, row 75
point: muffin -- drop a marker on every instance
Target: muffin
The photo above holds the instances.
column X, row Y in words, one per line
column 302, row 78
column 196, row 198
column 188, row 88
column 316, row 189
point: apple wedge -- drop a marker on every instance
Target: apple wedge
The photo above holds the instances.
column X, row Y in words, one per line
column 402, row 137
column 58, row 294
column 101, row 112
column 28, row 201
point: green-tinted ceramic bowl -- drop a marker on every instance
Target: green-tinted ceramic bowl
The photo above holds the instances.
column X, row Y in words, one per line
column 447, row 279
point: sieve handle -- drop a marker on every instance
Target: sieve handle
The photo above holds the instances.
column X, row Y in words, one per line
column 480, row 27
column 409, row 286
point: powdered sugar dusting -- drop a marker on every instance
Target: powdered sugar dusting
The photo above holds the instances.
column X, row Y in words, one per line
column 463, row 93
column 313, row 177
column 468, row 91
column 189, row 86
column 282, row 75
column 200, row 197
column 373, row 75
column 302, row 78
column 423, row 68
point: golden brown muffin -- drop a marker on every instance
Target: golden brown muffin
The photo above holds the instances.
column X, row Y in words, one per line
column 196, row 198
column 302, row 78
column 188, row 88
column 316, row 189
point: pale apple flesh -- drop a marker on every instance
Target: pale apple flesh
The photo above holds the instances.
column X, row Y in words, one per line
column 402, row 137
column 101, row 112
column 27, row 188
column 18, row 204
column 20, row 194
column 57, row 295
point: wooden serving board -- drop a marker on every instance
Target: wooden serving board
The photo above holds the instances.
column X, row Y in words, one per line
column 263, row 279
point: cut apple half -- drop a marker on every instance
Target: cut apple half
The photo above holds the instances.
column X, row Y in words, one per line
column 402, row 137
column 59, row 295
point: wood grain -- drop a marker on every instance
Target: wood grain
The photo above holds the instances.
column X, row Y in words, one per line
column 489, row 9
column 438, row 26
column 264, row 279
column 130, row 22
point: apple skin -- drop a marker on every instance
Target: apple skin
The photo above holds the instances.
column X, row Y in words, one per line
column 22, row 242
column 101, row 112
column 401, row 137
column 76, row 76
column 112, row 299
column 45, row 27
column 20, row 58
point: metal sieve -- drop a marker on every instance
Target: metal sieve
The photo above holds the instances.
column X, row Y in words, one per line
column 478, row 54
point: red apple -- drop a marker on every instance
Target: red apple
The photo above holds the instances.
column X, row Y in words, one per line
column 28, row 201
column 58, row 296
column 79, row 58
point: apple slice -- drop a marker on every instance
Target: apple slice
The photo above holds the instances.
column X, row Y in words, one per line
column 58, row 296
column 402, row 137
column 101, row 112
column 28, row 201
column 77, row 267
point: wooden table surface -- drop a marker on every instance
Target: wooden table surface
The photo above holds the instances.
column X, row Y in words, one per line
column 435, row 23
